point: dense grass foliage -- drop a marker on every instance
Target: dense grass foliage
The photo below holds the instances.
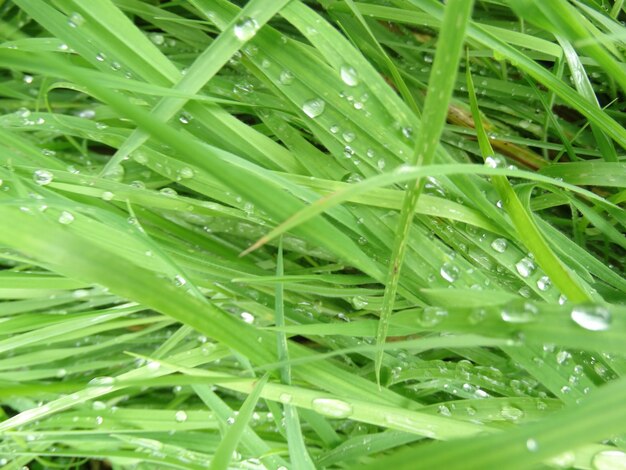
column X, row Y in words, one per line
column 312, row 234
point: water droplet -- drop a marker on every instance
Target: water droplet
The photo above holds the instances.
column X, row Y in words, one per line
column 334, row 129
column 230, row 420
column 153, row 365
column 499, row 244
column 516, row 313
column 591, row 317
column 349, row 75
column 562, row 357
column 609, row 460
column 285, row 398
column 101, row 381
column 28, row 79
column 286, row 77
column 348, row 136
column 157, row 39
column 168, row 192
column 511, row 413
column 313, row 108
column 185, row 117
column 179, row 280
column 381, row 163
column 107, row 196
column 332, row 407
column 449, row 272
column 532, row 445
column 431, row 316
column 100, row 56
column 407, row 132
column 42, row 177
column 246, row 28
column 180, row 416
column 75, row 20
column 444, row 410
column 348, row 151
column 494, row 161
column 66, row 218
column 186, row 172
column 544, row 283
column 370, row 153
column 525, row 267
column 359, row 302
column 247, row 317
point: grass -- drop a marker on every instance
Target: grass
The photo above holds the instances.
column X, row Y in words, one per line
column 321, row 234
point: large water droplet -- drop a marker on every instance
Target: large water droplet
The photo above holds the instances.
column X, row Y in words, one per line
column 499, row 245
column 107, row 196
column 285, row 398
column 332, row 407
column 609, row 460
column 532, row 445
column 42, row 177
column 591, row 317
column 525, row 267
column 519, row 313
column 246, row 28
column 247, row 317
column 544, row 283
column 101, row 381
column 180, row 416
column 75, row 20
column 511, row 413
column 313, row 108
column 349, row 75
column 286, row 77
column 449, row 272
column 66, row 218
column 431, row 316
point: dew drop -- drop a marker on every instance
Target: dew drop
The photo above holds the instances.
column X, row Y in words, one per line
column 511, row 413
column 431, row 316
column 179, row 280
column 499, row 245
column 246, row 28
column 285, row 398
column 407, row 132
column 532, row 445
column 157, row 39
column 591, row 317
column 562, row 357
column 247, row 317
column 609, row 460
column 332, row 407
column 101, row 381
column 348, row 136
column 286, row 77
column 359, row 302
column 313, row 108
column 75, row 20
column 349, row 75
column 544, row 283
column 168, row 192
column 107, row 196
column 449, row 272
column 525, row 267
column 180, row 416
column 66, row 218
column 42, row 177
column 186, row 172
column 519, row 314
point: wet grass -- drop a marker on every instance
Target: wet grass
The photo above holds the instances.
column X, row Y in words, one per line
column 327, row 234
